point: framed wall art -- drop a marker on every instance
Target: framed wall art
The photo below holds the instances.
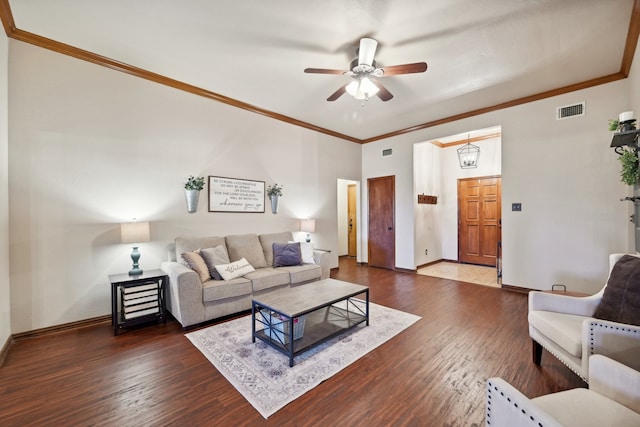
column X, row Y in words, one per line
column 235, row 195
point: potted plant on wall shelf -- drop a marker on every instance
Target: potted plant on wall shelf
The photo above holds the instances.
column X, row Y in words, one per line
column 192, row 189
column 614, row 125
column 274, row 191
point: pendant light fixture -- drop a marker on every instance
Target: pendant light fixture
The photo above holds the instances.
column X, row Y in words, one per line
column 468, row 155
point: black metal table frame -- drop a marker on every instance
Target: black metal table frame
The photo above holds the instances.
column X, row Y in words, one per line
column 286, row 345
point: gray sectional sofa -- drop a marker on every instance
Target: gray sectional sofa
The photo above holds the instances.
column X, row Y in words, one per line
column 191, row 300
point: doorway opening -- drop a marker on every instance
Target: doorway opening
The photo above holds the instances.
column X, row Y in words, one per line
column 437, row 172
column 348, row 219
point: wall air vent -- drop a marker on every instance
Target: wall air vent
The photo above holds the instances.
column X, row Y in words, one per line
column 387, row 152
column 570, row 111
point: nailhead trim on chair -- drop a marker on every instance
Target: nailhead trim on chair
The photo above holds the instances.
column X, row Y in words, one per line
column 488, row 421
column 618, row 328
column 557, row 356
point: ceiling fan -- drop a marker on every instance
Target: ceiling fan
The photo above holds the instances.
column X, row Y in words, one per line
column 364, row 72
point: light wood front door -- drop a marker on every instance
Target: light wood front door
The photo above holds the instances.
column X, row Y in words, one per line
column 352, row 240
column 382, row 236
column 479, row 214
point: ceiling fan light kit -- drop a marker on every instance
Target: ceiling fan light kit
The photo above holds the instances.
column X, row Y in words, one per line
column 364, row 71
column 362, row 89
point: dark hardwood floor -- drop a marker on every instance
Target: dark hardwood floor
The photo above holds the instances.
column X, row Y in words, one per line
column 433, row 373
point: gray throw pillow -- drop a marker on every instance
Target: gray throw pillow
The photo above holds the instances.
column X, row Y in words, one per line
column 215, row 256
column 621, row 298
column 286, row 254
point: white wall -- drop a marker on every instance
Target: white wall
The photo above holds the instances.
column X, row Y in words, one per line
column 90, row 148
column 634, row 105
column 5, row 314
column 427, row 218
column 436, row 172
column 634, row 84
column 564, row 174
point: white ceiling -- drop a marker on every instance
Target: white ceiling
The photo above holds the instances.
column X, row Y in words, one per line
column 479, row 53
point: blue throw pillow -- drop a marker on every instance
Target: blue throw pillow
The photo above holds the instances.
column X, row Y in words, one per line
column 286, row 254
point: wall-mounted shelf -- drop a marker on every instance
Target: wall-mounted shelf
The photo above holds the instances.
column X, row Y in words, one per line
column 427, row 200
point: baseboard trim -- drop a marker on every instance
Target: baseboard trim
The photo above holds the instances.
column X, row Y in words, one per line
column 63, row 327
column 5, row 349
column 516, row 289
column 406, row 270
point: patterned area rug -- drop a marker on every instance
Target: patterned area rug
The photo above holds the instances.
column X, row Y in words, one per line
column 262, row 374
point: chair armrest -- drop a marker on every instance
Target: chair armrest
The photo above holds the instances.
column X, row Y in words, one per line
column 580, row 306
column 184, row 293
column 617, row 341
column 507, row 407
column 323, row 260
column 615, row 381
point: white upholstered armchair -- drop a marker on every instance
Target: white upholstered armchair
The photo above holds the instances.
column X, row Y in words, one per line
column 612, row 399
column 566, row 328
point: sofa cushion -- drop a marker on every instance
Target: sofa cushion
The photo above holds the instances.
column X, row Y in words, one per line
column 190, row 244
column 235, row 269
column 561, row 328
column 286, row 254
column 267, row 241
column 215, row 256
column 246, row 246
column 196, row 263
column 621, row 298
column 265, row 278
column 303, row 273
column 214, row 290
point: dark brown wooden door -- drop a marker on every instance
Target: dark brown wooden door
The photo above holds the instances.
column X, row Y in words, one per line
column 479, row 213
column 352, row 241
column 382, row 235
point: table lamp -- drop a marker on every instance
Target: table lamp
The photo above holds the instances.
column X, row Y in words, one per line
column 308, row 226
column 135, row 232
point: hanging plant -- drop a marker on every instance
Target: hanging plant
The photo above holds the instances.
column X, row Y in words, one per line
column 630, row 172
column 192, row 188
column 274, row 190
column 194, row 183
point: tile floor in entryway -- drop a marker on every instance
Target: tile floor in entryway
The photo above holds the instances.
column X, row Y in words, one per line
column 469, row 273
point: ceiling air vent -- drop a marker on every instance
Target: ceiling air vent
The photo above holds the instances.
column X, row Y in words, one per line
column 570, row 111
column 387, row 152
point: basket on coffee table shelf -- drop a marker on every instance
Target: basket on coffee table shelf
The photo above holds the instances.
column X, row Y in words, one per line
column 277, row 326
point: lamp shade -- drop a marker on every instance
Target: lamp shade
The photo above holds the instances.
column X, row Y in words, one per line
column 308, row 225
column 134, row 232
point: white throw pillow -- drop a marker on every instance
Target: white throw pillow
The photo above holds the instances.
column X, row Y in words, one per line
column 235, row 269
column 307, row 252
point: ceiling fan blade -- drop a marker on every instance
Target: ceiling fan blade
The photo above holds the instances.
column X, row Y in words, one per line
column 367, row 51
column 383, row 93
column 417, row 67
column 337, row 94
column 323, row 71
